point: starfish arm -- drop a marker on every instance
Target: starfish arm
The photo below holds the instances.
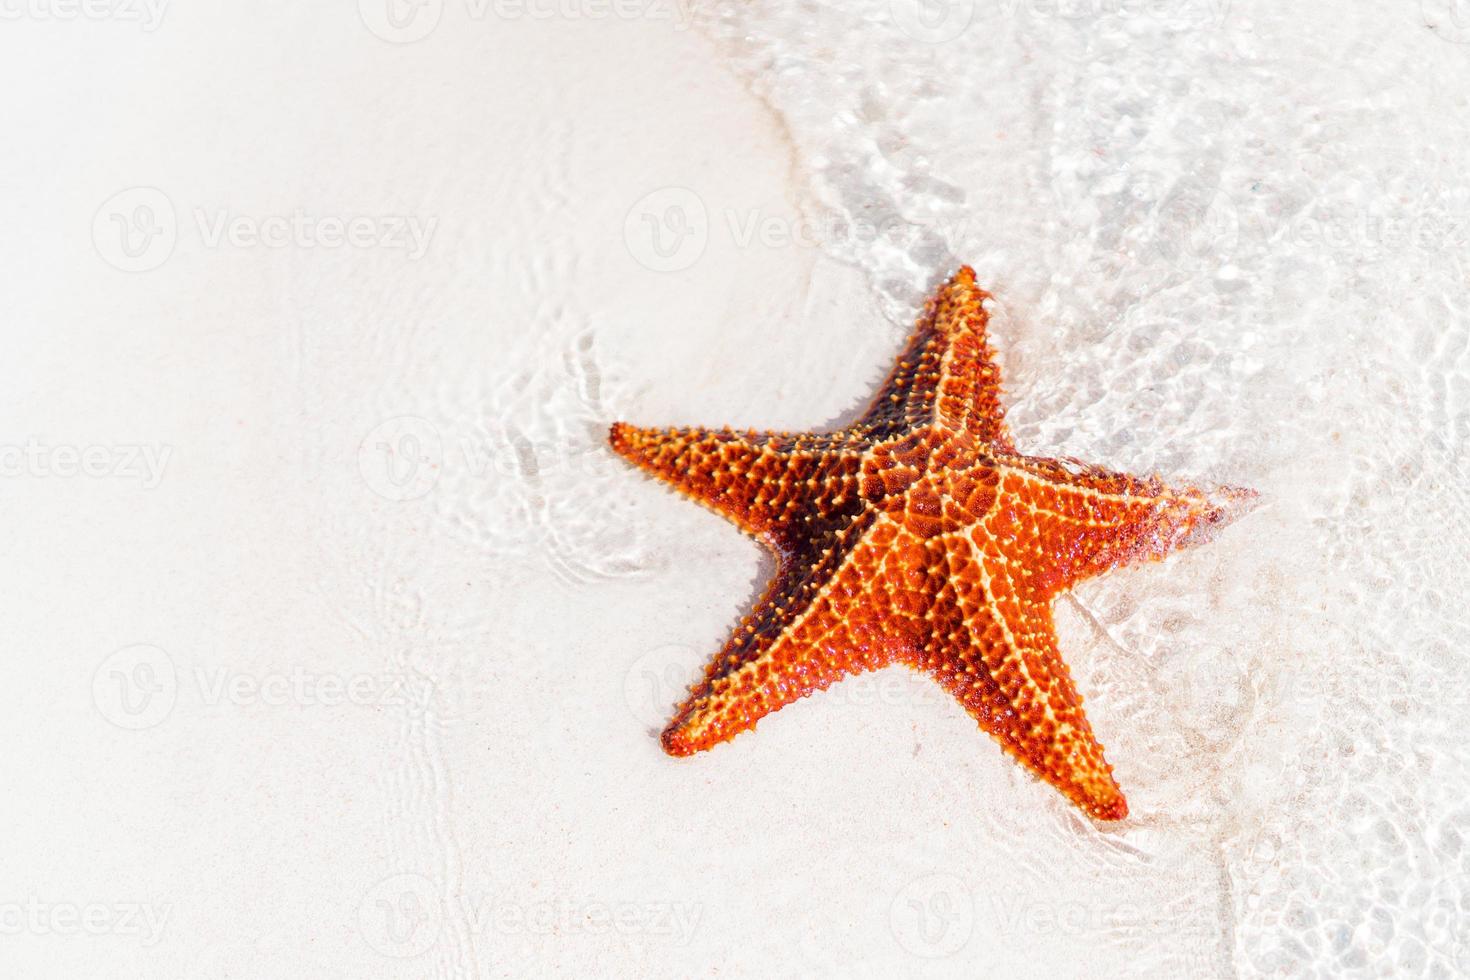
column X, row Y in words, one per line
column 1085, row 519
column 948, row 373
column 856, row 610
column 764, row 482
column 995, row 651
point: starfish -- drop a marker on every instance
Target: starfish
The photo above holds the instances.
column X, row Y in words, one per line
column 918, row 535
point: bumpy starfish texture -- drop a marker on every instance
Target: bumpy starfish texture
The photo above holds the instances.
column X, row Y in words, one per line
column 918, row 535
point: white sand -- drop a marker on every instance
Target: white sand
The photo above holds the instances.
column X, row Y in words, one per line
column 338, row 643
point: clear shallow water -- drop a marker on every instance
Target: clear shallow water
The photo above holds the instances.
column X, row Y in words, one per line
column 1231, row 242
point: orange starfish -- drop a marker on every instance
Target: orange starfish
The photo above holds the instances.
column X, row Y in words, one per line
column 918, row 535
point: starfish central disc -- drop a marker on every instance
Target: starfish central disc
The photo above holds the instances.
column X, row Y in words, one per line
column 919, row 535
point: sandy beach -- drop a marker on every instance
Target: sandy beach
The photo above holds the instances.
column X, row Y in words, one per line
column 339, row 642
